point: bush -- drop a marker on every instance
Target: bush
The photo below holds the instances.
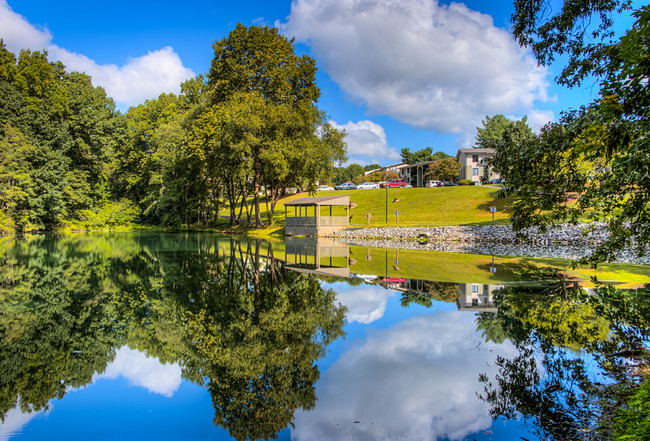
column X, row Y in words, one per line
column 467, row 182
column 111, row 214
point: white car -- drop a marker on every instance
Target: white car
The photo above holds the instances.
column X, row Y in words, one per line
column 430, row 184
column 367, row 186
column 325, row 188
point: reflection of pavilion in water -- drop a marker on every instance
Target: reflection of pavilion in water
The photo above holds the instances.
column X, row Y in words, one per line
column 325, row 257
column 317, row 256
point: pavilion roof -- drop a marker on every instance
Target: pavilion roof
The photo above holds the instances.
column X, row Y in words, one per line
column 320, row 200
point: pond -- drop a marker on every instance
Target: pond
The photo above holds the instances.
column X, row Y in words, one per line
column 137, row 336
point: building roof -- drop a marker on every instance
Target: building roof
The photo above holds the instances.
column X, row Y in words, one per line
column 474, row 151
column 320, row 200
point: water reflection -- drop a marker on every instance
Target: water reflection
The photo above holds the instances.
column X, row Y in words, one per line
column 252, row 322
column 224, row 315
column 582, row 355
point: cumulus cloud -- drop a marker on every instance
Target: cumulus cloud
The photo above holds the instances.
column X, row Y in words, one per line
column 417, row 380
column 365, row 303
column 15, row 420
column 440, row 67
column 143, row 77
column 143, row 371
column 539, row 118
column 367, row 142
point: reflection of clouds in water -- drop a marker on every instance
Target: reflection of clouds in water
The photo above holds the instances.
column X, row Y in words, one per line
column 147, row 372
column 15, row 420
column 365, row 303
column 417, row 380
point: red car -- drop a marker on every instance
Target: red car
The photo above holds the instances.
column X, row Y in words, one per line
column 393, row 183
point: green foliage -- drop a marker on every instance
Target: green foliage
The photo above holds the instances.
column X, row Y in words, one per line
column 466, row 182
column 633, row 423
column 263, row 122
column 595, row 162
column 57, row 137
column 495, row 128
column 442, row 170
column 426, row 154
column 565, row 394
column 581, row 30
column 225, row 311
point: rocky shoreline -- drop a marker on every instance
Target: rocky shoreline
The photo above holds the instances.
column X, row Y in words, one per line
column 564, row 242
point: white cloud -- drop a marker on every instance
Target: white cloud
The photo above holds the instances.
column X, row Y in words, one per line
column 142, row 78
column 417, row 380
column 367, row 142
column 15, row 420
column 539, row 118
column 440, row 67
column 143, row 371
column 365, row 303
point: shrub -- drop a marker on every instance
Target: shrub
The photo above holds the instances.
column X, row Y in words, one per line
column 466, row 182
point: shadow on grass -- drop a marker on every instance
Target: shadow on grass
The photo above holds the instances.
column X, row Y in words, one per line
column 504, row 205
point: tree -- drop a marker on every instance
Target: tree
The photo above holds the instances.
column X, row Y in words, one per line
column 495, row 127
column 426, row 154
column 594, row 163
column 562, row 394
column 580, row 29
column 258, row 65
column 442, row 170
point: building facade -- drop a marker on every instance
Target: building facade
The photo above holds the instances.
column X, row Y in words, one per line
column 473, row 164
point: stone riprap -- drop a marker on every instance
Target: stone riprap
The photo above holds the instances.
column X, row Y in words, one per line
column 564, row 241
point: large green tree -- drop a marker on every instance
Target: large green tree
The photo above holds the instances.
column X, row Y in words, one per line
column 594, row 163
column 282, row 135
column 58, row 134
column 494, row 129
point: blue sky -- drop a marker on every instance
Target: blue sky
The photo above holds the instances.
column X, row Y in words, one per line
column 392, row 73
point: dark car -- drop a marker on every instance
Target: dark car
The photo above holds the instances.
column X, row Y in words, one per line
column 394, row 183
column 495, row 181
column 346, row 186
column 448, row 184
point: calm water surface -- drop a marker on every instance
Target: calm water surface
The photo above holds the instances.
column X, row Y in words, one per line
column 141, row 336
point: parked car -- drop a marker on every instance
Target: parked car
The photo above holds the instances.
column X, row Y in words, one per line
column 495, row 181
column 345, row 186
column 367, row 186
column 408, row 186
column 394, row 183
column 431, row 184
column 448, row 184
column 325, row 188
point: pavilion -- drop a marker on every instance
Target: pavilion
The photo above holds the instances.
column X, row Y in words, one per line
column 309, row 218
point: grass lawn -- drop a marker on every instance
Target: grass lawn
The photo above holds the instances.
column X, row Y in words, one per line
column 460, row 205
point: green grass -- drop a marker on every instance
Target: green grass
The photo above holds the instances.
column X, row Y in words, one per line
column 460, row 205
column 475, row 268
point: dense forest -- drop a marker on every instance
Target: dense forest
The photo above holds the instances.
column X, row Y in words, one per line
column 233, row 138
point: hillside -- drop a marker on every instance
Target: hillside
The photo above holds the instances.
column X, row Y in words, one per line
column 419, row 206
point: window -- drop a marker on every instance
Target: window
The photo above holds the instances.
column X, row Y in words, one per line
column 474, row 302
column 474, row 288
column 475, row 171
column 474, row 158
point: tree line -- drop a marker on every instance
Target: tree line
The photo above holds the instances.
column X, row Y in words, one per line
column 235, row 137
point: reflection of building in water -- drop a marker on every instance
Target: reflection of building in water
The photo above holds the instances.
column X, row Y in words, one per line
column 476, row 296
column 317, row 256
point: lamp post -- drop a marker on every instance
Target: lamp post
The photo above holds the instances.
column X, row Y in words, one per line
column 386, row 187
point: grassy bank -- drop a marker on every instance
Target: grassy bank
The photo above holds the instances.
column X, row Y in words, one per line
column 417, row 207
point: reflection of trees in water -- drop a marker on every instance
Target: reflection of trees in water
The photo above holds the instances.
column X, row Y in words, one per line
column 564, row 336
column 225, row 311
